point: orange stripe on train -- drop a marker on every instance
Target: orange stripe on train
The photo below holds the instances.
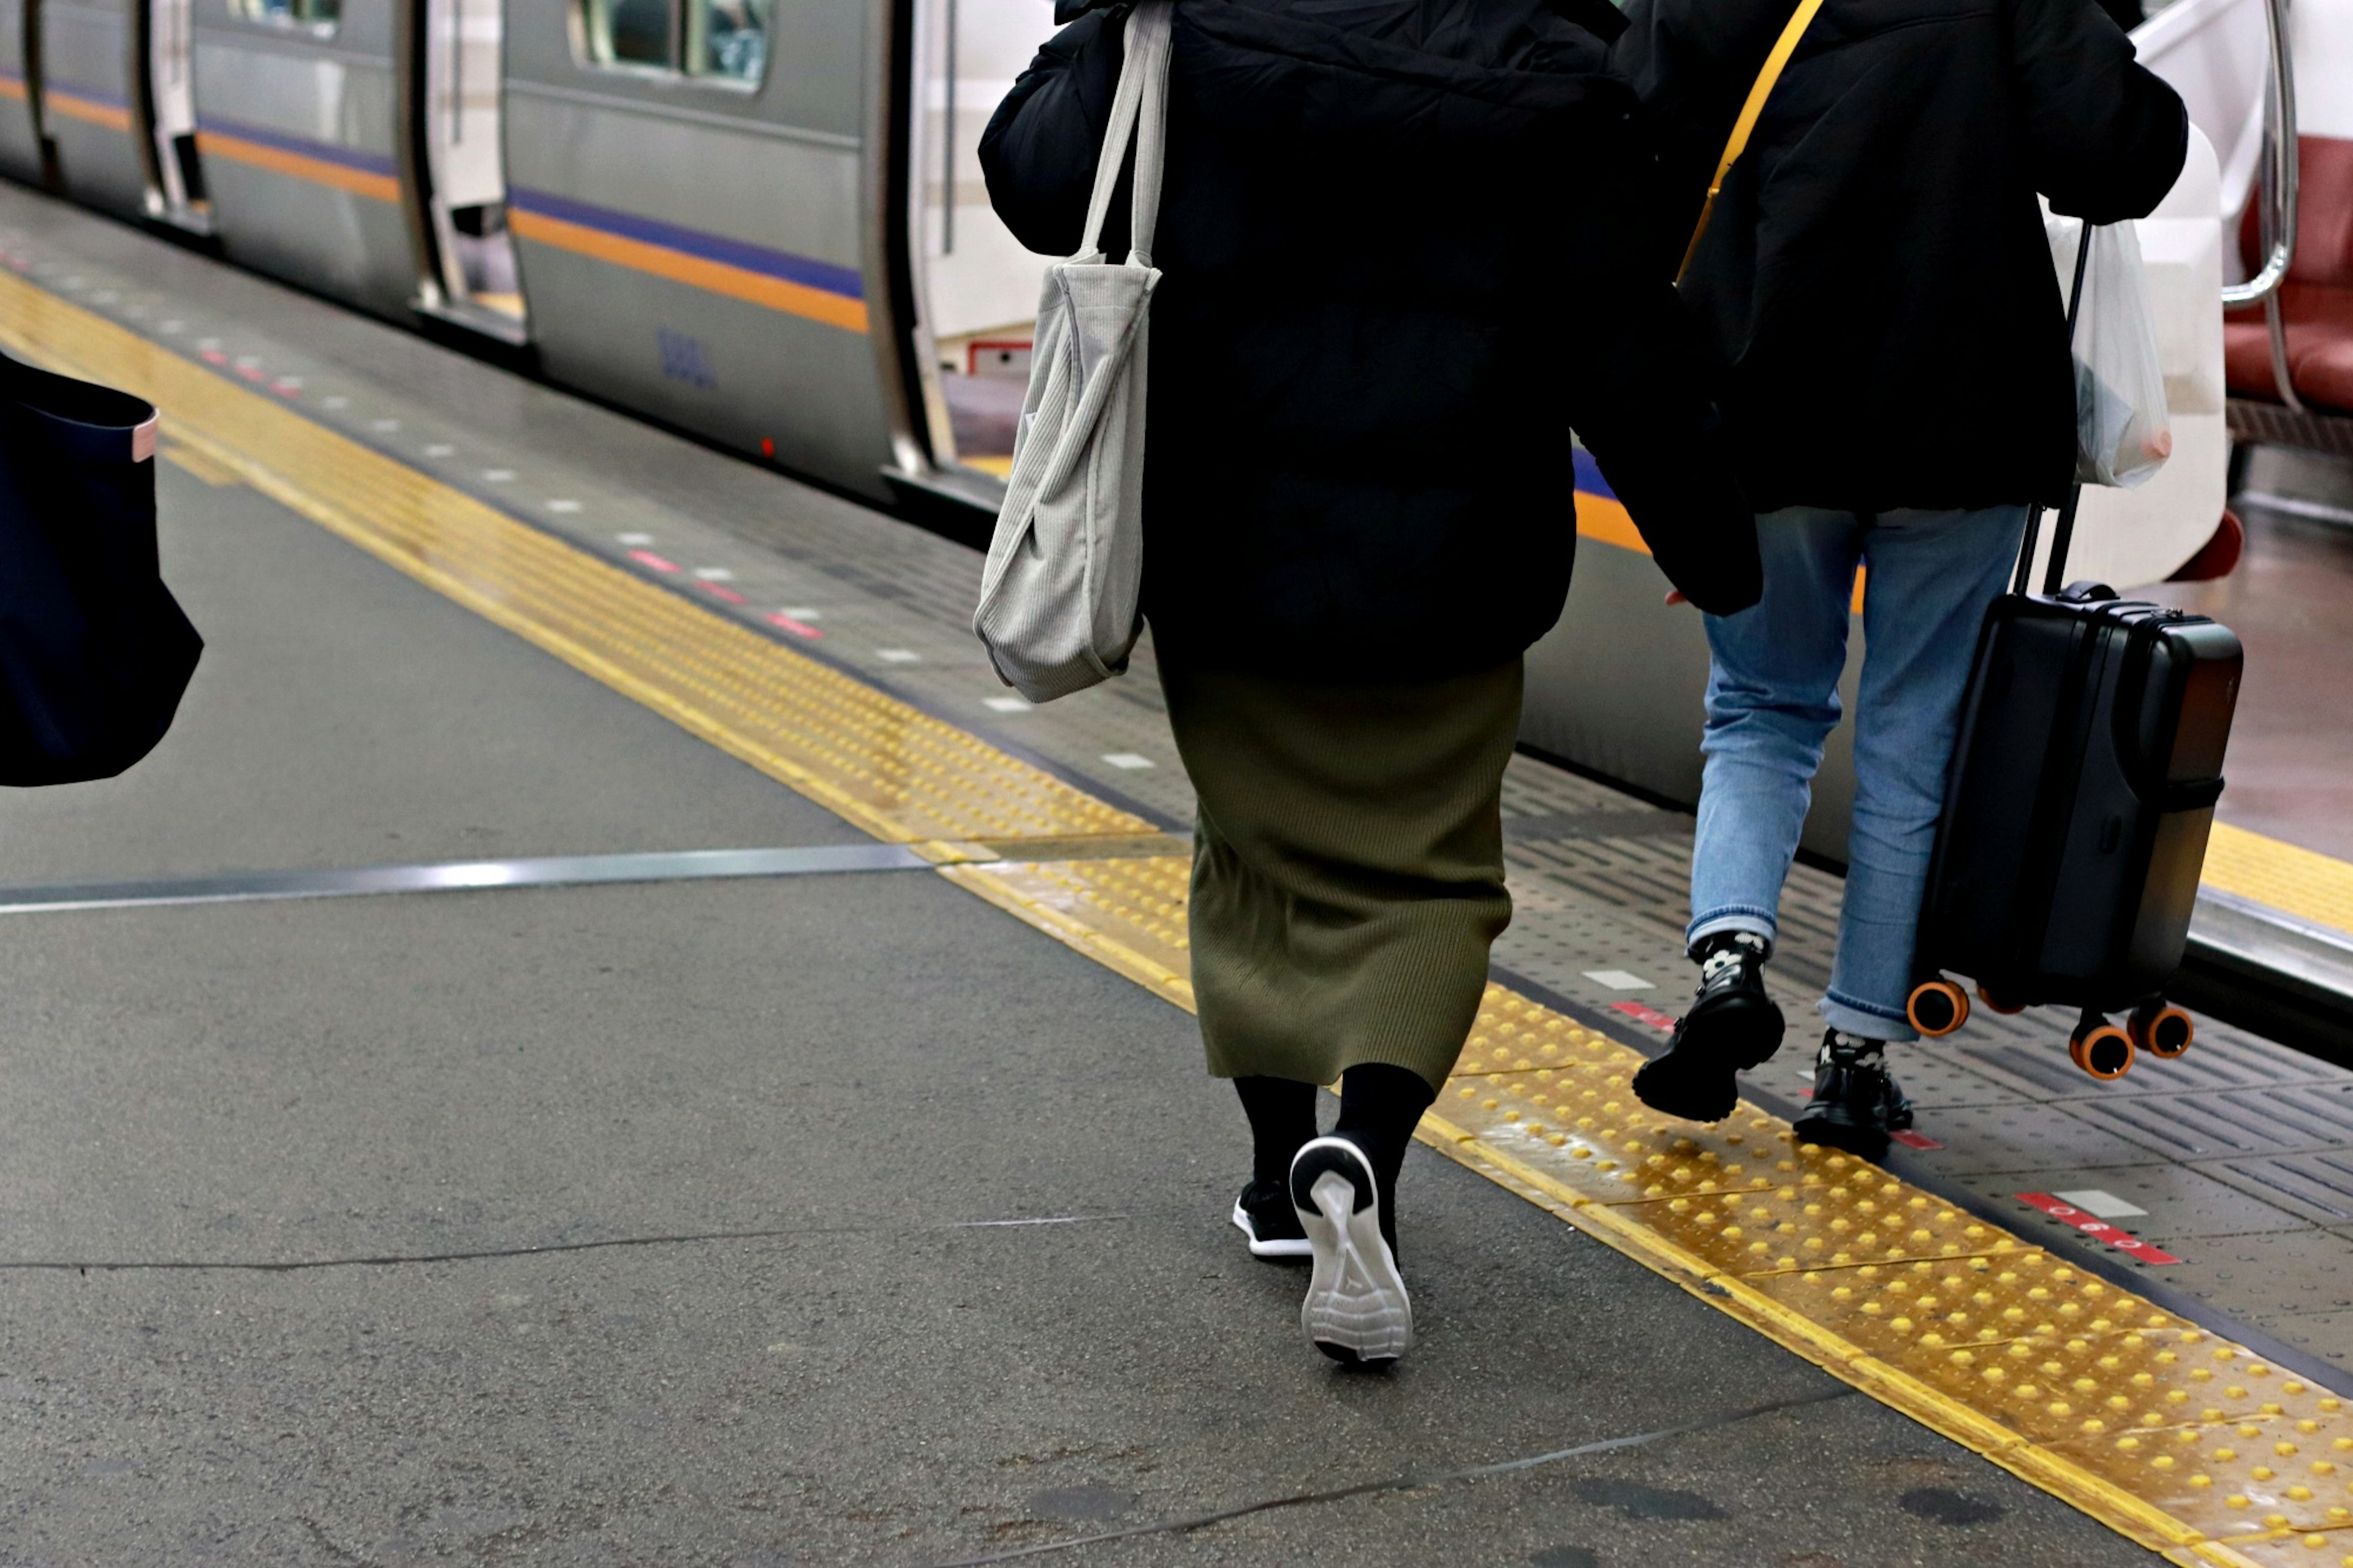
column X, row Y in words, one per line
column 714, row 277
column 318, row 170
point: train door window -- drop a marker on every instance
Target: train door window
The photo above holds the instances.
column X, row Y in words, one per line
column 319, row 16
column 729, row 38
column 631, row 33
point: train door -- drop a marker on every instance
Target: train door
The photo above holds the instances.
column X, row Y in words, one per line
column 457, row 102
column 976, row 287
column 175, row 190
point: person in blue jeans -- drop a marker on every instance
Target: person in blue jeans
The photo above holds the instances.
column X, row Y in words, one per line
column 1892, row 360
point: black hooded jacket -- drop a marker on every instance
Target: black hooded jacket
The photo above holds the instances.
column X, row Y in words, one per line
column 1874, row 281
column 1401, row 256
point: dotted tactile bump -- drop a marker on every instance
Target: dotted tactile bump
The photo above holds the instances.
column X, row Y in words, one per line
column 888, row 767
column 1128, row 914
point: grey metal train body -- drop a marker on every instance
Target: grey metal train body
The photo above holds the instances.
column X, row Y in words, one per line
column 760, row 221
column 672, row 203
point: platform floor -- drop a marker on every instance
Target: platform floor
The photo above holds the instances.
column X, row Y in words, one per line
column 846, row 1218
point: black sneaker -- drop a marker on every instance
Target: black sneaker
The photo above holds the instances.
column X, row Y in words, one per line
column 1856, row 1103
column 1264, row 1215
column 1732, row 1025
column 1356, row 1310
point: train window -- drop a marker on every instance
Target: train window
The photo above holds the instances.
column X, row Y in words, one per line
column 630, row 32
column 320, row 15
column 731, row 38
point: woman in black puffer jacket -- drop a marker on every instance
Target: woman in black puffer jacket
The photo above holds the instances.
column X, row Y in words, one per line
column 1401, row 263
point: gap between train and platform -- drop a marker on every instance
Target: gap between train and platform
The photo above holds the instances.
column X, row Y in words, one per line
column 2177, row 1437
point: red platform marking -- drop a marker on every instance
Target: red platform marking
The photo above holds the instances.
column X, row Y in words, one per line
column 1640, row 1014
column 212, row 356
column 1912, row 1139
column 2091, row 1224
column 648, row 558
column 251, row 371
column 722, row 590
column 798, row 628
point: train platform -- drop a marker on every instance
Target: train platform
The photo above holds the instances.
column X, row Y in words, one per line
column 604, row 1036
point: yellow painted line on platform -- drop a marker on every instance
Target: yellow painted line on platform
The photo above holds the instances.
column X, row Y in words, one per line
column 2286, row 877
column 889, row 768
column 2171, row 1435
column 211, row 470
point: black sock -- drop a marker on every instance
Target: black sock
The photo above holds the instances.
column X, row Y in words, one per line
column 1380, row 1106
column 1281, row 1117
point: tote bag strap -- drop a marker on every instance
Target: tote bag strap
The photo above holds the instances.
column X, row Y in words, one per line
column 1783, row 48
column 1143, row 101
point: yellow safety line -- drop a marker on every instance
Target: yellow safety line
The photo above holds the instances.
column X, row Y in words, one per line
column 2171, row 1435
column 2286, row 876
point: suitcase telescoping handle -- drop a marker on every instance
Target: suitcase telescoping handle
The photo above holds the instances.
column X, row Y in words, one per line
column 2055, row 576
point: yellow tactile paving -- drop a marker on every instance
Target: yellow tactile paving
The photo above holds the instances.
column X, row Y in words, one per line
column 2167, row 1434
column 1126, row 914
column 891, row 769
column 2299, row 881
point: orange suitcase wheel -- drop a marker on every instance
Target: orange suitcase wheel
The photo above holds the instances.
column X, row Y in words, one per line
column 2104, row 1050
column 1938, row 1007
column 2161, row 1030
column 2003, row 1008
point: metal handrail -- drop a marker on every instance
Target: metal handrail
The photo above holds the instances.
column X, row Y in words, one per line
column 2278, row 198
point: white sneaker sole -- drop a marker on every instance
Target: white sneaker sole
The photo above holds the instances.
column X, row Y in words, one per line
column 1356, row 1309
column 1294, row 1247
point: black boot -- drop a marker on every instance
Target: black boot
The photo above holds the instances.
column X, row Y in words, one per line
column 1856, row 1103
column 1732, row 1025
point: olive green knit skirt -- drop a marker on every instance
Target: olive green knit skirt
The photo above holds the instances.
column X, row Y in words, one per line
column 1347, row 866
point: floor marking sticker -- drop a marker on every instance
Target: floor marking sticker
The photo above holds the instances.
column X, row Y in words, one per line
column 2104, row 1205
column 1008, row 704
column 1909, row 1138
column 2093, row 1226
column 798, row 627
column 1618, row 980
column 648, row 558
column 1129, row 760
column 898, row 656
column 1641, row 1015
column 722, row 591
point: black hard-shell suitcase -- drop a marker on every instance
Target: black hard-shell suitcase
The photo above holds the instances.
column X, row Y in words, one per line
column 2082, row 792
column 2076, row 814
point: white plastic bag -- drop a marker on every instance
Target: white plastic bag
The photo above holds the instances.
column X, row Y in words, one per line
column 2123, row 432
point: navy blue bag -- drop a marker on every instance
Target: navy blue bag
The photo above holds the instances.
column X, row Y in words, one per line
column 94, row 651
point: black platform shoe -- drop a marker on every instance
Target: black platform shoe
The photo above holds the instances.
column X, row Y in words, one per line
column 1732, row 1025
column 1856, row 1102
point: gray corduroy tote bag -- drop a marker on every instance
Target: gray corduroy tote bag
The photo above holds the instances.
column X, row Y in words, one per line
column 1057, row 597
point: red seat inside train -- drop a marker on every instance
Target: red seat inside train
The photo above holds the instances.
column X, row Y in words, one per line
column 2316, row 301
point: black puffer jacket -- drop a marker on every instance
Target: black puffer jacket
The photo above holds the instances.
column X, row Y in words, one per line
column 1875, row 281
column 1401, row 260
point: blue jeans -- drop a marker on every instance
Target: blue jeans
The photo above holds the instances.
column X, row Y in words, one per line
column 1773, row 700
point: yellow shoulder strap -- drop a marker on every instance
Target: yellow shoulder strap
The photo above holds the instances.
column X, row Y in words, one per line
column 1783, row 48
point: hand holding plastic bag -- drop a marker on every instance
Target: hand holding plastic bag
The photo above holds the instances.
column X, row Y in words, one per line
column 2122, row 433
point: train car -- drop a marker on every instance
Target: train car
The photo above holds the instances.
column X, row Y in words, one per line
column 763, row 222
